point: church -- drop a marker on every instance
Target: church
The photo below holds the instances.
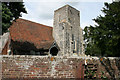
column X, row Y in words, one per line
column 65, row 38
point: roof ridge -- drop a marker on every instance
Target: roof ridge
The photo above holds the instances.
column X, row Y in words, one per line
column 34, row 22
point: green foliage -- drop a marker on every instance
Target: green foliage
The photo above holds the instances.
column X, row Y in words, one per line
column 11, row 11
column 90, row 74
column 104, row 39
column 103, row 75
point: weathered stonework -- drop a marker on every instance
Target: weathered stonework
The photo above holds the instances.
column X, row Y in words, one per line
column 67, row 31
column 36, row 67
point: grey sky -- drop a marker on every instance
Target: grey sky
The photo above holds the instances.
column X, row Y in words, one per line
column 43, row 11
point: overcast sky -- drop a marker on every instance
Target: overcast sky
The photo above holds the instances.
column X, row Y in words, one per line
column 42, row 11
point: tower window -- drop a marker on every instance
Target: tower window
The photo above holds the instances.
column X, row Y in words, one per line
column 72, row 42
column 74, row 51
column 72, row 37
column 70, row 11
column 78, row 14
column 75, row 45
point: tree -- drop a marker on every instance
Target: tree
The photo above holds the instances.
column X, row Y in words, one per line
column 104, row 39
column 11, row 11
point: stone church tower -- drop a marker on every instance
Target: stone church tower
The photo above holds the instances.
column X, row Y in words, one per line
column 67, row 31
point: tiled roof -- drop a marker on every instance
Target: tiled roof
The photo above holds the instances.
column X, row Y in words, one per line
column 31, row 32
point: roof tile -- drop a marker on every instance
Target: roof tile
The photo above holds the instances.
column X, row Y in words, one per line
column 35, row 33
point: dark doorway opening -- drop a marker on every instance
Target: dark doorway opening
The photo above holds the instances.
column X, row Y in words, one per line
column 54, row 51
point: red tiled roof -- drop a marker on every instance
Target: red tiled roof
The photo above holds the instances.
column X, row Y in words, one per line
column 35, row 33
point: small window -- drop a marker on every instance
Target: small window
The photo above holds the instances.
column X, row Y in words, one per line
column 74, row 51
column 78, row 15
column 72, row 37
column 75, row 45
column 69, row 20
column 71, row 12
column 72, row 42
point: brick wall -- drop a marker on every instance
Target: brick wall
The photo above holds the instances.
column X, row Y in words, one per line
column 35, row 67
column 106, row 67
column 41, row 67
